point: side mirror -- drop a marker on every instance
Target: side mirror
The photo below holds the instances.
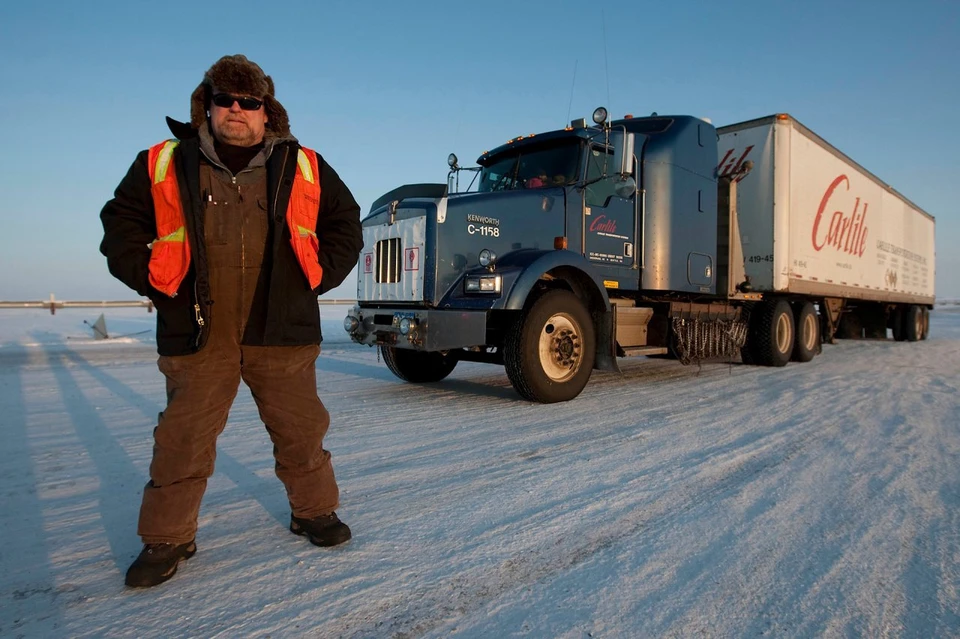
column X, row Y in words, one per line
column 623, row 146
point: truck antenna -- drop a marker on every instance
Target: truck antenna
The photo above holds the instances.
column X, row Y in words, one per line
column 572, row 84
column 456, row 135
column 606, row 65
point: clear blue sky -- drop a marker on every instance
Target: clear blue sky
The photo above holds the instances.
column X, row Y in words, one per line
column 385, row 90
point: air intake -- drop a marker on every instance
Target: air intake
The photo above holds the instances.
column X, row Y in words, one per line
column 389, row 261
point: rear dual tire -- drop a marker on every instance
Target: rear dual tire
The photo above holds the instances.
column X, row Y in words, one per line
column 807, row 324
column 771, row 336
column 910, row 323
column 913, row 324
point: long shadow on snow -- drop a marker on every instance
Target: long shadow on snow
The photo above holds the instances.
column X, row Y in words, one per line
column 114, row 467
column 27, row 546
column 247, row 482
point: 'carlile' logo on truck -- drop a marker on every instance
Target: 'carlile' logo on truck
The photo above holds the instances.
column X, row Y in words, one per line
column 731, row 163
column 603, row 225
column 847, row 234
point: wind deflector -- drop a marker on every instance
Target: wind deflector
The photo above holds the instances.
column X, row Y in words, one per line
column 430, row 191
column 649, row 125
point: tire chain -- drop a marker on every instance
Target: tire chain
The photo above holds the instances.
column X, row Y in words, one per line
column 695, row 340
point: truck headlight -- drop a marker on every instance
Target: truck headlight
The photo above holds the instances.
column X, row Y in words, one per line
column 406, row 325
column 483, row 284
column 487, row 258
column 350, row 324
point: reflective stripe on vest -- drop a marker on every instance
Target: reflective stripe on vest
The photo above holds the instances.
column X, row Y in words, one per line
column 170, row 252
column 302, row 215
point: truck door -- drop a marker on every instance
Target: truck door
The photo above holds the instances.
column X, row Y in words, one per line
column 609, row 221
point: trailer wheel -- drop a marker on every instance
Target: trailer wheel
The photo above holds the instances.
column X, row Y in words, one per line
column 899, row 323
column 926, row 322
column 913, row 323
column 808, row 332
column 549, row 352
column 771, row 332
column 417, row 366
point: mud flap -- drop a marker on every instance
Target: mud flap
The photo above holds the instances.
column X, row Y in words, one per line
column 606, row 359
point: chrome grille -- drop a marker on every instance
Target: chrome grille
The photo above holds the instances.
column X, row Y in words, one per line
column 389, row 261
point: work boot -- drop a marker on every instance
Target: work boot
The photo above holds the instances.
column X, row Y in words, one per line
column 157, row 563
column 325, row 530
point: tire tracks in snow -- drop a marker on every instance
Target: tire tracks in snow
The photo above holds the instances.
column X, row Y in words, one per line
column 418, row 612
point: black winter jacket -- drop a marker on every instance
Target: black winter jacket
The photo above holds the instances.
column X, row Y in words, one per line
column 290, row 315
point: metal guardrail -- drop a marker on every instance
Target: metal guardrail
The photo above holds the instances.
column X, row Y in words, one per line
column 53, row 304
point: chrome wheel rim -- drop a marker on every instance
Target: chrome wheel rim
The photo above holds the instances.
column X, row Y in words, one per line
column 784, row 334
column 810, row 332
column 560, row 347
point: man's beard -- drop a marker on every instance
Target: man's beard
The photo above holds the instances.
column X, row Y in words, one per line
column 236, row 133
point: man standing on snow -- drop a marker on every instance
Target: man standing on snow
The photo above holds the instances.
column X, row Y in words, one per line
column 232, row 230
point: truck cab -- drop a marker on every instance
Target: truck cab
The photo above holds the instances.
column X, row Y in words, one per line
column 563, row 235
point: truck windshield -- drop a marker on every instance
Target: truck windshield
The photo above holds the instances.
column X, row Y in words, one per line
column 532, row 167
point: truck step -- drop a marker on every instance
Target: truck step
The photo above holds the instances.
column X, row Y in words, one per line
column 636, row 351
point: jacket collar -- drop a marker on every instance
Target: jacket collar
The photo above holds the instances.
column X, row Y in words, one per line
column 181, row 130
column 185, row 131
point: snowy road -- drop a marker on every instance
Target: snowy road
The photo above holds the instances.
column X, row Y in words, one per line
column 815, row 500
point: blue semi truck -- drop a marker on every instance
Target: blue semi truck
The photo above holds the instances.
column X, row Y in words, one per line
column 647, row 236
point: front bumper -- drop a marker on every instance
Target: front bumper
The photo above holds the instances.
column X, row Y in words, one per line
column 427, row 329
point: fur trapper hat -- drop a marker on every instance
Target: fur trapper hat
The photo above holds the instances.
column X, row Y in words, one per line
column 237, row 74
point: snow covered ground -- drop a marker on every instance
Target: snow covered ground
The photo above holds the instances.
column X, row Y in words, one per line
column 817, row 500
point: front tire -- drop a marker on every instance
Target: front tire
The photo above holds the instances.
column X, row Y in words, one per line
column 549, row 352
column 417, row 367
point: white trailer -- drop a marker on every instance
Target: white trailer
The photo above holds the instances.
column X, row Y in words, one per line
column 815, row 222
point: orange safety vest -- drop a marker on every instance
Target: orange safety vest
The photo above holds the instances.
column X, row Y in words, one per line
column 170, row 252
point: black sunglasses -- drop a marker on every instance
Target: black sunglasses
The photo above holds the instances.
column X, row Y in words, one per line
column 225, row 101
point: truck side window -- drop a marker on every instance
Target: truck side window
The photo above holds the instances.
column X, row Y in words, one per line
column 599, row 161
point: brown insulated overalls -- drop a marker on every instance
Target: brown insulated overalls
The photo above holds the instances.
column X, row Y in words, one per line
column 201, row 387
